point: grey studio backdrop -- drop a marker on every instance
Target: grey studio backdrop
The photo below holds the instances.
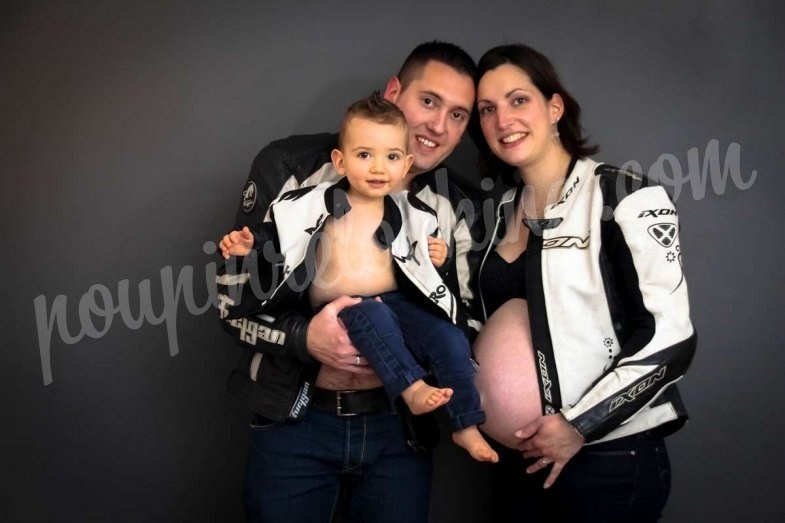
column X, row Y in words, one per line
column 128, row 130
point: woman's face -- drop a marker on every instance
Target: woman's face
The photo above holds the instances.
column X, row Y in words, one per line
column 516, row 119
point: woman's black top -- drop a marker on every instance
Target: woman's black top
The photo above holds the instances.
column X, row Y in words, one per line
column 501, row 281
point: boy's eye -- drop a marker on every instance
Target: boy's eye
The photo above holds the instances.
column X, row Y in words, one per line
column 364, row 155
column 393, row 156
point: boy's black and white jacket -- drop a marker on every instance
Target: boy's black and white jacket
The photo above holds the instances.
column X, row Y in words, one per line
column 299, row 216
column 608, row 302
column 276, row 277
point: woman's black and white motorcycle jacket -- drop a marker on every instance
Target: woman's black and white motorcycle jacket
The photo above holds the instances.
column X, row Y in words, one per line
column 277, row 274
column 608, row 302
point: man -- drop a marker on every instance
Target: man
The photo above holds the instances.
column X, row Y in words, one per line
column 322, row 422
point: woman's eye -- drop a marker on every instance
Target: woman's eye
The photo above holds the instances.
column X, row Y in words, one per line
column 519, row 100
column 485, row 110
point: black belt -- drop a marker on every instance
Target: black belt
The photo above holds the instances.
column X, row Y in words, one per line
column 351, row 402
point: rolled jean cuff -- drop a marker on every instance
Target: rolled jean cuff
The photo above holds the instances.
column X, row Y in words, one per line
column 403, row 381
column 468, row 419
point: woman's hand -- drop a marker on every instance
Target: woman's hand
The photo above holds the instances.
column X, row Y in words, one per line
column 552, row 440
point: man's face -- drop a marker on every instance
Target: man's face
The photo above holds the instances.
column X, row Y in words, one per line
column 437, row 104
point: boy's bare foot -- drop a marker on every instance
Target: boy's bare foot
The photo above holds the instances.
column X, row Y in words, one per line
column 471, row 440
column 422, row 398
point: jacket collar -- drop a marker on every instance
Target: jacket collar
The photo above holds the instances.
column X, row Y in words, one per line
column 336, row 203
column 428, row 179
column 512, row 198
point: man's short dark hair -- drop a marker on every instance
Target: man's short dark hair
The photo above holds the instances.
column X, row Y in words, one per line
column 376, row 109
column 444, row 52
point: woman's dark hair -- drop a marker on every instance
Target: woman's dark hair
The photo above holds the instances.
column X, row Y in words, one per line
column 543, row 75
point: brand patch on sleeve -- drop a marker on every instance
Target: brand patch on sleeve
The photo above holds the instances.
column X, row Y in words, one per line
column 249, row 196
column 663, row 233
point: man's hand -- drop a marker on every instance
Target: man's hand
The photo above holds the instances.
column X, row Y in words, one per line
column 437, row 250
column 552, row 440
column 237, row 243
column 328, row 341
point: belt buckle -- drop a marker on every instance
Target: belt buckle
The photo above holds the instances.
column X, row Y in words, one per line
column 339, row 408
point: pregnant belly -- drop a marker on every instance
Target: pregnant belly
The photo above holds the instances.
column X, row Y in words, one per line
column 507, row 378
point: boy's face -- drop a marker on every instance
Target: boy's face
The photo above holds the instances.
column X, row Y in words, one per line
column 374, row 157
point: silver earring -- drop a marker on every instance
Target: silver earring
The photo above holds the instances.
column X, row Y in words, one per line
column 555, row 130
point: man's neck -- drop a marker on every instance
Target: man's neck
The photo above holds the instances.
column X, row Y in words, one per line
column 410, row 176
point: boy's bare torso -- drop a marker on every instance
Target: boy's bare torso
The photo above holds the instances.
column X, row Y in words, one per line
column 350, row 262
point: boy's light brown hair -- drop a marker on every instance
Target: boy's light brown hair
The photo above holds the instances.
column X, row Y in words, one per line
column 376, row 109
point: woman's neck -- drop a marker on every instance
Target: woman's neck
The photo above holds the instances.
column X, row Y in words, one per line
column 543, row 182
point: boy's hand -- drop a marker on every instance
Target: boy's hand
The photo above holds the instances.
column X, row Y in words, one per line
column 437, row 250
column 237, row 243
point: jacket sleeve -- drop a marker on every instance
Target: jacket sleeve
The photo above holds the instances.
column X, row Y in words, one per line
column 244, row 288
column 464, row 260
column 244, row 284
column 269, row 177
column 650, row 310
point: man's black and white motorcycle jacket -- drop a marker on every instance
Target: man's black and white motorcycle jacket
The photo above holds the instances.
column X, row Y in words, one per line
column 608, row 303
column 275, row 376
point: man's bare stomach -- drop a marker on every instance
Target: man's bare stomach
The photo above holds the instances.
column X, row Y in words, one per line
column 336, row 379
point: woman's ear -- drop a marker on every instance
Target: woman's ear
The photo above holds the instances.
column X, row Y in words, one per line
column 337, row 157
column 556, row 105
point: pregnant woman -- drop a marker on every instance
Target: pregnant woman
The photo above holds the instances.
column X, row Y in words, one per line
column 587, row 259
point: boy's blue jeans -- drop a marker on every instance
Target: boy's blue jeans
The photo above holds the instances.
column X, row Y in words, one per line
column 395, row 336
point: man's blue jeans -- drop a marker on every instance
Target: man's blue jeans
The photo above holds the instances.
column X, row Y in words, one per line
column 395, row 335
column 295, row 470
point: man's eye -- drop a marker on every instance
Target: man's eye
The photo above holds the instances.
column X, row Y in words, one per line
column 427, row 101
column 459, row 116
